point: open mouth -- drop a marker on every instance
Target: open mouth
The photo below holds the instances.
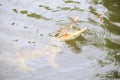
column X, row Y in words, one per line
column 73, row 35
column 64, row 34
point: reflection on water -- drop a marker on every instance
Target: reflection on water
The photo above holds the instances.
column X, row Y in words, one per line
column 112, row 27
column 76, row 44
column 25, row 42
column 33, row 15
column 110, row 75
column 37, row 16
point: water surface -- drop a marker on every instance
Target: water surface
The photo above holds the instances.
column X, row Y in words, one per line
column 27, row 51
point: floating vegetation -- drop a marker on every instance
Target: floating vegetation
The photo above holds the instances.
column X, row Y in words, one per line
column 92, row 10
column 23, row 12
column 25, row 27
column 68, row 9
column 112, row 45
column 111, row 27
column 37, row 16
column 76, row 9
column 92, row 21
column 34, row 15
column 45, row 7
column 15, row 10
column 61, row 8
column 71, row 1
column 110, row 75
column 55, row 10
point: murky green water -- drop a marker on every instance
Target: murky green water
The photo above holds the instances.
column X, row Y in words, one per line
column 28, row 52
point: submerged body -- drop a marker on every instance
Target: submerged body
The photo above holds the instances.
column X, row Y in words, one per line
column 24, row 56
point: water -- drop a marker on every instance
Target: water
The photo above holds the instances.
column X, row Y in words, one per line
column 27, row 51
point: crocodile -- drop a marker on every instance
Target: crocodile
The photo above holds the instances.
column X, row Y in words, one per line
column 65, row 34
column 49, row 51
